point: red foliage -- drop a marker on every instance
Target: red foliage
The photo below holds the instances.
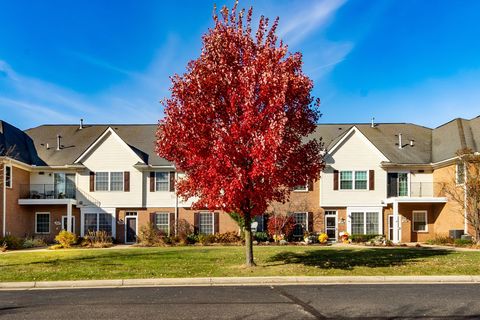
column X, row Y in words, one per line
column 236, row 120
column 278, row 225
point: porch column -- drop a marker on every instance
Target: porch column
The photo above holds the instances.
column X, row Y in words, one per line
column 395, row 223
column 69, row 217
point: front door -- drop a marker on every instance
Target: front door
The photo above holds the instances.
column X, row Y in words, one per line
column 130, row 229
column 331, row 227
column 390, row 228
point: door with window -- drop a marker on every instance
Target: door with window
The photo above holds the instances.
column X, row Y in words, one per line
column 130, row 229
column 331, row 225
column 64, row 223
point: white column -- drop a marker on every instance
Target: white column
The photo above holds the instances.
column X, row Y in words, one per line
column 69, row 217
column 396, row 229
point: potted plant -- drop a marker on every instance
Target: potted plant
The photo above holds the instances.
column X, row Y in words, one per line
column 345, row 237
column 323, row 238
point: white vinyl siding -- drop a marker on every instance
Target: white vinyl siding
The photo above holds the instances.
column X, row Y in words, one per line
column 420, row 221
column 42, row 222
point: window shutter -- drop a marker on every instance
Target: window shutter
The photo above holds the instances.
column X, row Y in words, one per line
column 265, row 223
column 371, row 180
column 152, row 218
column 126, row 181
column 216, row 222
column 196, row 222
column 310, row 221
column 152, row 181
column 92, row 181
column 172, row 181
column 335, row 179
column 172, row 223
column 310, row 185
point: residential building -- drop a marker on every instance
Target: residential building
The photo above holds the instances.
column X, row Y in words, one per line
column 378, row 179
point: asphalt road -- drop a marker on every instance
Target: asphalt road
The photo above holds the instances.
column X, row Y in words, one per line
column 438, row 301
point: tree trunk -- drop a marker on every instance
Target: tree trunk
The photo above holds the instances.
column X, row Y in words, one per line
column 248, row 240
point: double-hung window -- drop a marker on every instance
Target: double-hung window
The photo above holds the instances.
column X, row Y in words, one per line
column 353, row 180
column 301, row 223
column 301, row 187
column 420, row 221
column 109, row 181
column 97, row 222
column 162, row 222
column 205, row 223
column 365, row 222
column 42, row 222
column 162, row 182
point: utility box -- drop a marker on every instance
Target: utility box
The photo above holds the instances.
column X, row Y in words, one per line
column 467, row 237
column 456, row 234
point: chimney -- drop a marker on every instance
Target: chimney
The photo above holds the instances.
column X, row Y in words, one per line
column 373, row 122
column 412, row 142
column 81, row 124
column 58, row 142
column 47, row 146
column 400, row 145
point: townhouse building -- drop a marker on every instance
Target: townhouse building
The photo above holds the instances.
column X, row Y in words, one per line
column 378, row 179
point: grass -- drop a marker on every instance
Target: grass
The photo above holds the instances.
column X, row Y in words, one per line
column 75, row 264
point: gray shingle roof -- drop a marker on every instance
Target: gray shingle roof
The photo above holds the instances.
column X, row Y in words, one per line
column 430, row 145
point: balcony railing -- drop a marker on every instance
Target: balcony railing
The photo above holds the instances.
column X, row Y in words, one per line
column 416, row 190
column 46, row 191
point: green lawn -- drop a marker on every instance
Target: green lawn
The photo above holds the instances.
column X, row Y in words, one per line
column 227, row 261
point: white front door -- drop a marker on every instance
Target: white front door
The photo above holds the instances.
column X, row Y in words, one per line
column 64, row 223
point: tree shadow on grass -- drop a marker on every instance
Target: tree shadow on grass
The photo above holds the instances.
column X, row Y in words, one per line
column 347, row 259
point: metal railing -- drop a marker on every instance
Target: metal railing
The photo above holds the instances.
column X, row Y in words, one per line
column 46, row 191
column 418, row 190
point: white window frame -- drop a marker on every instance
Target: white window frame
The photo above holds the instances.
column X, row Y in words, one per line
column 168, row 221
column 425, row 213
column 303, row 189
column 49, row 222
column 305, row 226
column 353, row 180
column 73, row 222
column 9, row 185
column 109, row 181
column 456, row 173
column 364, row 210
column 213, row 221
column 168, row 181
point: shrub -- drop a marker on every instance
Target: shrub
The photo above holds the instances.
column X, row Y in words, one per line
column 66, row 239
column 97, row 239
column 463, row 242
column 227, row 237
column 3, row 247
column 149, row 236
column 281, row 225
column 33, row 243
column 261, row 236
column 360, row 238
column 440, row 240
column 191, row 239
column 205, row 239
column 377, row 241
column 185, row 232
column 323, row 238
column 11, row 242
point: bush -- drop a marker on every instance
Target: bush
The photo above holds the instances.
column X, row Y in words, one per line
column 440, row 240
column 66, row 239
column 261, row 236
column 3, row 247
column 281, row 225
column 185, row 232
column 97, row 239
column 463, row 242
column 33, row 243
column 11, row 242
column 323, row 238
column 191, row 239
column 149, row 236
column 360, row 238
column 227, row 237
column 205, row 239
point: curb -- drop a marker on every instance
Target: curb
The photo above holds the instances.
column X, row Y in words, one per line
column 238, row 281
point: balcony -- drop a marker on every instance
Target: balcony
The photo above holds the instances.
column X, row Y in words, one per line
column 415, row 190
column 47, row 191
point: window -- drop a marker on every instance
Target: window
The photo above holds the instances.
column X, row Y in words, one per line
column 101, row 181
column 301, row 188
column 301, row 223
column 42, row 222
column 460, row 173
column 353, row 180
column 397, row 184
column 64, row 223
column 205, row 223
column 346, row 180
column 162, row 222
column 97, row 222
column 365, row 222
column 162, row 181
column 402, row 184
column 420, row 221
column 360, row 180
column 116, row 181
column 8, row 176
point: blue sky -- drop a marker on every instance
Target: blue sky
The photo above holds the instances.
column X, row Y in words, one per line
column 109, row 61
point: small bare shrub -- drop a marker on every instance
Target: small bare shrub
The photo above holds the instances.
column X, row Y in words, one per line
column 97, row 239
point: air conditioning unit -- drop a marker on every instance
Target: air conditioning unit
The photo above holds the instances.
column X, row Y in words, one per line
column 456, row 234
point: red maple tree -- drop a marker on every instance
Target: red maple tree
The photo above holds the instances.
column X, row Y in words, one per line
column 237, row 119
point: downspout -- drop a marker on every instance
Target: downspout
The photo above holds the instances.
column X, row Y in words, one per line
column 176, row 206
column 4, row 204
column 465, row 220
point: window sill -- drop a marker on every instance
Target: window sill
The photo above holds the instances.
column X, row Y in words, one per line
column 301, row 191
column 420, row 231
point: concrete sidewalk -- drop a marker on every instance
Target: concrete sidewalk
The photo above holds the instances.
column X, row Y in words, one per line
column 237, row 281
